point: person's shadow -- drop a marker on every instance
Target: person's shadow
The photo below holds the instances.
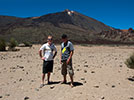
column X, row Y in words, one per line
column 57, row 82
column 76, row 83
column 53, row 82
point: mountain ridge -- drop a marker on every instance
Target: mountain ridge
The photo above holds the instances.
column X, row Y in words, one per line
column 79, row 28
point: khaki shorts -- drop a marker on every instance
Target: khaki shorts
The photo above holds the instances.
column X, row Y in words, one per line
column 67, row 68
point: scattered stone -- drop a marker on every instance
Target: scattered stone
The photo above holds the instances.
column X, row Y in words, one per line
column 96, row 86
column 32, row 80
column 7, row 94
column 113, row 86
column 82, row 78
column 12, row 68
column 90, row 56
column 21, row 45
column 106, row 84
column 11, row 77
column 85, row 65
column 93, row 96
column 85, row 82
column 85, row 61
column 92, row 71
column 26, row 98
column 51, row 87
column 102, row 97
column 132, row 98
column 18, row 56
column 36, row 89
column 20, row 66
column 131, row 79
column 85, row 71
column 20, row 79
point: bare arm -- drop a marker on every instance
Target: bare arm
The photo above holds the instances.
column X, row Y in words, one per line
column 55, row 54
column 40, row 53
column 71, row 54
column 60, row 57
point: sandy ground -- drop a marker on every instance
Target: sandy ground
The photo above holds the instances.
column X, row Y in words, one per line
column 100, row 74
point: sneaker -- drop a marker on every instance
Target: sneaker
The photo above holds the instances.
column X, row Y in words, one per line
column 63, row 82
column 72, row 85
column 41, row 85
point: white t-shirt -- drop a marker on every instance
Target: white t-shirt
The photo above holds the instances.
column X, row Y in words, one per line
column 48, row 51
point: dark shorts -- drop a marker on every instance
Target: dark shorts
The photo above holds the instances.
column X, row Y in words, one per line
column 47, row 66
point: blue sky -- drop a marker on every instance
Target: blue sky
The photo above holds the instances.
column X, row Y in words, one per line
column 115, row 13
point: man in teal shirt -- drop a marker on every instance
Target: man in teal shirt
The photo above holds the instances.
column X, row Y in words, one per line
column 67, row 51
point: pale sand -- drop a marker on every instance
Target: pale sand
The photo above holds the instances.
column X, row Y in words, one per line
column 100, row 74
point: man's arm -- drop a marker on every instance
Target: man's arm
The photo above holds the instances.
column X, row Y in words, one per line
column 55, row 54
column 71, row 54
column 60, row 58
column 55, row 51
column 40, row 54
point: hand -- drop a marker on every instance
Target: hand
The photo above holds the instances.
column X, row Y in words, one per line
column 43, row 58
column 53, row 57
column 68, row 61
column 60, row 62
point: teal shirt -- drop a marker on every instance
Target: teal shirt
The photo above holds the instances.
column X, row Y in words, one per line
column 66, row 48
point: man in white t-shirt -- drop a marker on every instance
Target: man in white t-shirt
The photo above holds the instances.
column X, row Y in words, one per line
column 47, row 55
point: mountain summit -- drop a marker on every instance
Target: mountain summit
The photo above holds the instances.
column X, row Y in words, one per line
column 79, row 28
column 75, row 19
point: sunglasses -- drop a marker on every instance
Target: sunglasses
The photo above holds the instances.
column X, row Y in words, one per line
column 49, row 39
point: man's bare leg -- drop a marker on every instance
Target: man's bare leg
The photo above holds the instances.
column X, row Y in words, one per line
column 64, row 79
column 64, row 76
column 72, row 82
column 48, row 77
column 43, row 77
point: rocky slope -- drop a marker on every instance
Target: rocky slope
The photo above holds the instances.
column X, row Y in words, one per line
column 79, row 28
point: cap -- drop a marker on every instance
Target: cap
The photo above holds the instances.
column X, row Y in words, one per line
column 64, row 36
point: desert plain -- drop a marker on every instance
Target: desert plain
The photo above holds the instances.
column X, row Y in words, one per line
column 100, row 74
